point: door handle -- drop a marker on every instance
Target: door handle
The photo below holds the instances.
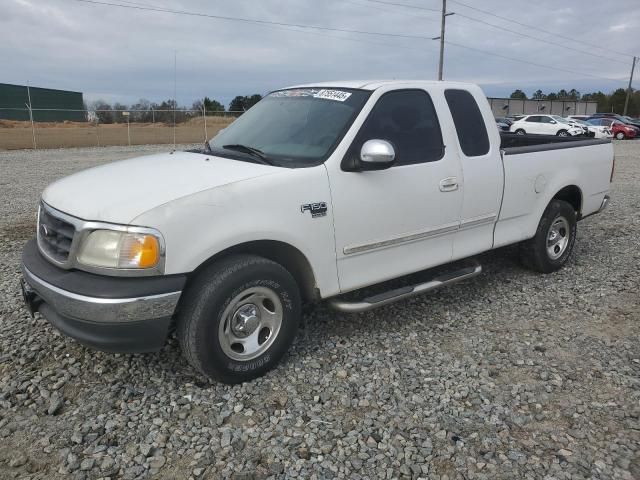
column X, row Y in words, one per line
column 449, row 184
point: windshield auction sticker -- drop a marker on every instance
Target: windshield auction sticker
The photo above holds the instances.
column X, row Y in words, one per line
column 337, row 95
column 301, row 92
column 324, row 94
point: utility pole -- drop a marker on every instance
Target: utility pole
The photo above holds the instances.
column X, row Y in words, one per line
column 33, row 127
column 626, row 101
column 441, row 37
column 175, row 93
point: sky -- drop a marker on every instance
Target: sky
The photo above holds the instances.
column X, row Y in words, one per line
column 124, row 54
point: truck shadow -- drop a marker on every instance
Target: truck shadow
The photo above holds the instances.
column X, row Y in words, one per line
column 322, row 324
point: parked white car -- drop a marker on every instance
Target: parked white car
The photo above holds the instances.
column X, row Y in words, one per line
column 545, row 125
column 595, row 131
column 316, row 191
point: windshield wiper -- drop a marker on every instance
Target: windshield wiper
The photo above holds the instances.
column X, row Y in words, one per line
column 256, row 153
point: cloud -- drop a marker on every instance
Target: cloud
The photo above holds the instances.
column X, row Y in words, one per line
column 125, row 54
column 618, row 28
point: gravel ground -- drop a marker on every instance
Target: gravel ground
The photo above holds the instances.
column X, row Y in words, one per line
column 509, row 375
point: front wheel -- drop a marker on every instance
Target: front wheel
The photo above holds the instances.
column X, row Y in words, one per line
column 238, row 318
column 620, row 136
column 563, row 133
column 552, row 245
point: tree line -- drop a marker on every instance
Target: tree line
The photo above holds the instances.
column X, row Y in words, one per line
column 607, row 102
column 146, row 111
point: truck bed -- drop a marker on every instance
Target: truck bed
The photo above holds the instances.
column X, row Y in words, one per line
column 512, row 143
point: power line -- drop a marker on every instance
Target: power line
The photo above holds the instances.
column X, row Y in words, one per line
column 533, row 63
column 404, row 5
column 297, row 27
column 504, row 29
column 387, row 9
column 540, row 29
column 250, row 20
column 515, row 32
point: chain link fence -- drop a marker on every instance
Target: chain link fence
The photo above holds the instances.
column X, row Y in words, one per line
column 45, row 128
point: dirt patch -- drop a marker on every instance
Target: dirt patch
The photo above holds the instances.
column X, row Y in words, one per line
column 18, row 135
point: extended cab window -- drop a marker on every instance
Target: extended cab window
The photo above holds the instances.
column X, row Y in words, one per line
column 470, row 126
column 408, row 120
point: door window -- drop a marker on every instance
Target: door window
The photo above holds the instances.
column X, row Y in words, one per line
column 408, row 120
column 533, row 118
column 546, row 120
column 470, row 126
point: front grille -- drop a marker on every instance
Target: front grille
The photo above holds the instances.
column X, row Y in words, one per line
column 54, row 235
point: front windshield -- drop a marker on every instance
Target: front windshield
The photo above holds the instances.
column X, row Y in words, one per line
column 560, row 119
column 296, row 127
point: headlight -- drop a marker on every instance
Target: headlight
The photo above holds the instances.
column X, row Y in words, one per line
column 113, row 249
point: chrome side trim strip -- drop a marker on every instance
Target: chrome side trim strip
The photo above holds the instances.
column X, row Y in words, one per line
column 470, row 223
column 478, row 221
column 103, row 310
column 402, row 293
column 398, row 240
column 605, row 203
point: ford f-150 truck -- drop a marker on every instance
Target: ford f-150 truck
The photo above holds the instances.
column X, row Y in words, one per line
column 316, row 192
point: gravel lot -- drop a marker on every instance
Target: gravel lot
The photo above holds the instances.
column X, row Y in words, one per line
column 509, row 375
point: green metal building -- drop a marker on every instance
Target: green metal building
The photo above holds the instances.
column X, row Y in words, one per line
column 48, row 105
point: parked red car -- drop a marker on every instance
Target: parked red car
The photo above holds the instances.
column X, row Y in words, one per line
column 619, row 129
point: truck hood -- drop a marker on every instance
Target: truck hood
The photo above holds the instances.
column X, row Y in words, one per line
column 119, row 192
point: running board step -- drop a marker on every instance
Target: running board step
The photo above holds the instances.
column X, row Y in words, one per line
column 401, row 293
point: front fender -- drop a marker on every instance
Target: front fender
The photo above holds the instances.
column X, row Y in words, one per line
column 199, row 226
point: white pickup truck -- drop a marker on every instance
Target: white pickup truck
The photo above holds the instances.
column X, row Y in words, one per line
column 316, row 191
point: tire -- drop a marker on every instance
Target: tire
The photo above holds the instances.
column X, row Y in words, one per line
column 520, row 131
column 562, row 133
column 620, row 135
column 238, row 318
column 547, row 251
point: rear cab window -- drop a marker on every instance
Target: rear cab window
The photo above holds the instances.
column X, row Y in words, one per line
column 469, row 123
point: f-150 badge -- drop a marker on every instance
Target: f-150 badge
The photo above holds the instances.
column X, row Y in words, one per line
column 318, row 209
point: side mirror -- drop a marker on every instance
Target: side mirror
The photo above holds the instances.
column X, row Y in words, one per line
column 377, row 155
column 553, row 121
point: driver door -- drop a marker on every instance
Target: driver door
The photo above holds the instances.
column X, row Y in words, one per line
column 392, row 222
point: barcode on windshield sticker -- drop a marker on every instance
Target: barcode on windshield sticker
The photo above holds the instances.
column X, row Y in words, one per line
column 305, row 92
column 336, row 95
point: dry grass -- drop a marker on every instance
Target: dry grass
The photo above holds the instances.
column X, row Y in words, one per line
column 18, row 135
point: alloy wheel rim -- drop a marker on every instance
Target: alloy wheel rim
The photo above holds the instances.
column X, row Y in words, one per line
column 558, row 238
column 250, row 323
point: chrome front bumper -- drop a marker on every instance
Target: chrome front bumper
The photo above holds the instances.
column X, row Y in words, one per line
column 115, row 314
column 102, row 310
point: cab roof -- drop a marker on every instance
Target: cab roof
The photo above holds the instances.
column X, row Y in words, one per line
column 375, row 84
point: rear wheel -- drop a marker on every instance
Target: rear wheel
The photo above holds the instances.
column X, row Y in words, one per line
column 238, row 318
column 520, row 131
column 620, row 135
column 562, row 133
column 552, row 245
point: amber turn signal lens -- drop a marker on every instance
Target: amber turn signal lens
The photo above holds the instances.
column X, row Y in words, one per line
column 139, row 251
